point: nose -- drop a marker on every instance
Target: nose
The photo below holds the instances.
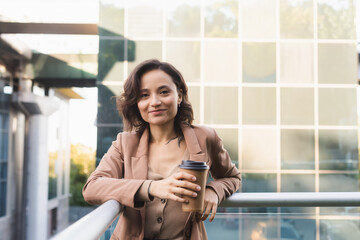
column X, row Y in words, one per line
column 155, row 101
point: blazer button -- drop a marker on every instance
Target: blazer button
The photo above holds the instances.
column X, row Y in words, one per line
column 159, row 219
column 163, row 201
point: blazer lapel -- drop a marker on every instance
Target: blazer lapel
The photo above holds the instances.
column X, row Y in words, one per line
column 139, row 163
column 192, row 144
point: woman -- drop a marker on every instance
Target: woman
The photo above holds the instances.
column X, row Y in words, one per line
column 140, row 169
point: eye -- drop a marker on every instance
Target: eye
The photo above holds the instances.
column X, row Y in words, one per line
column 144, row 95
column 164, row 92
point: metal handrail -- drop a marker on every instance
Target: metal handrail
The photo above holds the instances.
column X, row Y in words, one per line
column 293, row 199
column 94, row 224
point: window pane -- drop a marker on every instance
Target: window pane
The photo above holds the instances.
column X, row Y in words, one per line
column 258, row 19
column 297, row 149
column 337, row 63
column 297, row 106
column 185, row 56
column 107, row 111
column 336, row 19
column 105, row 137
column 297, row 65
column 338, row 150
column 3, row 173
column 259, row 105
column 296, row 18
column 230, row 141
column 297, row 182
column 3, row 196
column 194, row 98
column 339, row 182
column 298, row 229
column 258, row 182
column 332, row 110
column 221, row 61
column 254, row 140
column 145, row 50
column 221, row 105
column 259, row 62
column 183, row 18
column 111, row 19
column 145, row 19
column 221, row 18
column 111, row 60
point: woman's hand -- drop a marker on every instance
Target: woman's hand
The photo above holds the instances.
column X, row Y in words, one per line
column 179, row 183
column 211, row 202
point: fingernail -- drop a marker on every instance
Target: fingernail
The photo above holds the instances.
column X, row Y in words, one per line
column 194, row 194
column 193, row 178
column 198, row 188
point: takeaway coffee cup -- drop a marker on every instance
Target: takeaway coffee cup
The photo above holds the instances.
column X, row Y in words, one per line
column 200, row 171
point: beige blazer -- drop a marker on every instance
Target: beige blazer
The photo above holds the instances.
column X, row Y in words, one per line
column 124, row 168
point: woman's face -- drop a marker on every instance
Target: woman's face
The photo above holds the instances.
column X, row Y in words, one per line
column 159, row 98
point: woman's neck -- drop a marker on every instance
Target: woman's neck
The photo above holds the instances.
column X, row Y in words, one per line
column 162, row 134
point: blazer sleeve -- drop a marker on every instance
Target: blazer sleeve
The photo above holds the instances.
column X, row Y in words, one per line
column 227, row 178
column 107, row 181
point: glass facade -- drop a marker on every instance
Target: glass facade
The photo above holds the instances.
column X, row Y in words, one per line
column 4, row 145
column 277, row 79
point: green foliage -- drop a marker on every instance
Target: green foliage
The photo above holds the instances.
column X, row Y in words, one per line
column 82, row 164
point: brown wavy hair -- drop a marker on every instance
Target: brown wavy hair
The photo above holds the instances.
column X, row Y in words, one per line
column 127, row 102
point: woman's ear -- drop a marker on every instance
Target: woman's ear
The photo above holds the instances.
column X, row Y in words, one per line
column 180, row 93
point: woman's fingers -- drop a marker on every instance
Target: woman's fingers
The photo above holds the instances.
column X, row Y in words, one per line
column 213, row 212
column 207, row 211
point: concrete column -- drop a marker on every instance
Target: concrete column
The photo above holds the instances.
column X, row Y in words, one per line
column 37, row 161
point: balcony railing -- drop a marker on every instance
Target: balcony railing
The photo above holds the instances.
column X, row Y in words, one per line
column 100, row 219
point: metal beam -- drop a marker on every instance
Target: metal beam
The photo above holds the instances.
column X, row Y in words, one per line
column 48, row 28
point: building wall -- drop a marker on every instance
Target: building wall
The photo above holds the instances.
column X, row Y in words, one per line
column 277, row 79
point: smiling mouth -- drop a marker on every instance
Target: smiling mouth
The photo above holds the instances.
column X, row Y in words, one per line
column 157, row 111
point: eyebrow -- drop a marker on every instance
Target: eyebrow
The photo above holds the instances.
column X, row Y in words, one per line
column 161, row 87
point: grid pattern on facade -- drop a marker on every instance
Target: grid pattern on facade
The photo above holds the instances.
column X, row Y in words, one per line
column 282, row 93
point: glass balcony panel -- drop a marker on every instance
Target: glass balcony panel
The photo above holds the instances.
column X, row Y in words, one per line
column 145, row 19
column 194, row 98
column 111, row 19
column 258, row 19
column 297, row 149
column 145, row 50
column 297, row 182
column 336, row 19
column 259, row 149
column 221, row 18
column 259, row 62
column 221, row 105
column 111, row 60
column 296, row 19
column 230, row 141
column 297, row 63
column 331, row 106
column 259, row 105
column 185, row 56
column 221, row 61
column 339, row 229
column 338, row 150
column 337, row 63
column 297, row 106
column 183, row 18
